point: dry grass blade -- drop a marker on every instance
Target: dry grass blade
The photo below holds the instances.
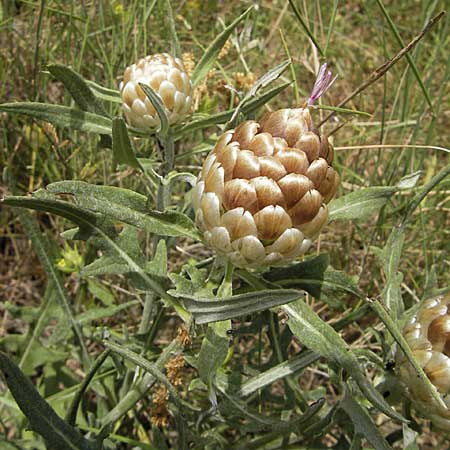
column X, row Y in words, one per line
column 380, row 71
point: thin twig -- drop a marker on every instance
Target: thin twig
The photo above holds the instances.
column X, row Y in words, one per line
column 375, row 146
column 380, row 71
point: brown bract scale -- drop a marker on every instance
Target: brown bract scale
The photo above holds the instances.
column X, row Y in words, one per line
column 428, row 335
column 167, row 76
column 261, row 197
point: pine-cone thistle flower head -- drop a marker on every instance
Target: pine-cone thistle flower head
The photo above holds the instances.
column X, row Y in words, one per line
column 262, row 195
column 167, row 76
column 428, row 335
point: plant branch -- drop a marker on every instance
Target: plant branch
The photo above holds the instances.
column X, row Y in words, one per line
column 380, row 71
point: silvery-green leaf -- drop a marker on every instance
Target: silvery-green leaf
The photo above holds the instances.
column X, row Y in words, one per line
column 207, row 310
column 61, row 116
column 409, row 181
column 363, row 423
column 361, row 203
column 157, row 103
column 42, row 418
column 127, row 206
column 324, row 340
column 315, row 276
column 121, row 144
column 219, row 118
column 103, row 93
column 78, row 88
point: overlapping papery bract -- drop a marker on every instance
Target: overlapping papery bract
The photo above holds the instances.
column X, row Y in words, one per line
column 262, row 195
column 428, row 335
column 167, row 76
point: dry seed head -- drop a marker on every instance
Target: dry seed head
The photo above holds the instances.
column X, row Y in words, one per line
column 167, row 76
column 428, row 335
column 174, row 368
column 159, row 413
column 261, row 196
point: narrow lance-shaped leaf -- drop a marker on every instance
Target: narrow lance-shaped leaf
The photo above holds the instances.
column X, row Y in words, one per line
column 140, row 389
column 43, row 419
column 363, row 423
column 390, row 257
column 78, row 88
column 121, row 144
column 118, row 204
column 61, row 116
column 315, row 276
column 207, row 310
column 88, row 220
column 323, row 339
column 248, row 108
column 214, row 349
column 296, row 363
column 401, row 341
column 103, row 93
column 211, row 53
column 156, row 101
column 265, row 80
column 361, row 203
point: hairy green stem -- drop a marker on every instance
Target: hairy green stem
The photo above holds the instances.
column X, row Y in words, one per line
column 73, row 408
column 141, row 387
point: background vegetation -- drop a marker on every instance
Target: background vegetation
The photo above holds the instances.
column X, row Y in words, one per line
column 404, row 131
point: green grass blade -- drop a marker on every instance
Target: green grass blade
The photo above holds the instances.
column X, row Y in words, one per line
column 305, row 26
column 408, row 56
column 32, row 229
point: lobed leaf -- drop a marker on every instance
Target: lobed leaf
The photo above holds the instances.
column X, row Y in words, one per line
column 127, row 206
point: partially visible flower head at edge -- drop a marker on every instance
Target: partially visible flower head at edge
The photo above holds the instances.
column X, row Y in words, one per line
column 323, row 82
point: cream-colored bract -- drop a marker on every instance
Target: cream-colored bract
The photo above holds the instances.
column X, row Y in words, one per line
column 262, row 193
column 428, row 335
column 167, row 76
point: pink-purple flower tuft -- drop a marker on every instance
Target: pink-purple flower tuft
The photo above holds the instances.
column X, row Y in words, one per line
column 323, row 82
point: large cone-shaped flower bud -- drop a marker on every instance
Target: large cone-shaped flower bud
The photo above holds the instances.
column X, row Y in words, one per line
column 428, row 335
column 167, row 76
column 261, row 196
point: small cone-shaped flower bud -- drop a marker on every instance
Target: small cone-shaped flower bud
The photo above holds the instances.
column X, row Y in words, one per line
column 428, row 335
column 167, row 76
column 262, row 195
